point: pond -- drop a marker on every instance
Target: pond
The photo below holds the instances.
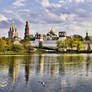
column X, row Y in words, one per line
column 46, row 73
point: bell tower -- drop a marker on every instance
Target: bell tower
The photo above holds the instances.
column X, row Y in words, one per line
column 26, row 30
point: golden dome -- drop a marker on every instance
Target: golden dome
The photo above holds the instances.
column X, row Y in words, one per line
column 86, row 32
column 26, row 21
column 52, row 31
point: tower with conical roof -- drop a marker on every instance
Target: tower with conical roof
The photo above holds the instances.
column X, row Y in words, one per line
column 12, row 33
column 26, row 31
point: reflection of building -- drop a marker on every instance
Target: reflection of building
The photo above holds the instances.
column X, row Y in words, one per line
column 41, row 64
column 27, row 70
column 13, row 70
column 87, row 64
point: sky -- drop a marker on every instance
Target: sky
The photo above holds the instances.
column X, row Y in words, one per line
column 71, row 16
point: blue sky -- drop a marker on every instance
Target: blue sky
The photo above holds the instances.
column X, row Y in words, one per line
column 72, row 16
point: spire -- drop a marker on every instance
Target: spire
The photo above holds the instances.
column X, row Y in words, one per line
column 13, row 27
column 10, row 29
column 86, row 33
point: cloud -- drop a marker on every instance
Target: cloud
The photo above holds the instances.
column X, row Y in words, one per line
column 77, row 1
column 71, row 16
column 46, row 3
column 19, row 3
column 3, row 18
column 63, row 17
column 13, row 15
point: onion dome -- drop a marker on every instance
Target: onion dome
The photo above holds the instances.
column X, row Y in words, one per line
column 52, row 31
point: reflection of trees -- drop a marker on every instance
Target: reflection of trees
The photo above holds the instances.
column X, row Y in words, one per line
column 4, row 61
column 67, row 62
column 60, row 61
column 52, row 69
column 13, row 68
column 45, row 64
column 40, row 64
column 50, row 65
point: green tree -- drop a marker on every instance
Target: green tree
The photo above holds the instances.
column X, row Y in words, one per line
column 79, row 45
column 3, row 45
column 9, row 45
column 78, row 37
column 58, row 42
column 40, row 44
column 18, row 48
column 27, row 46
column 69, row 43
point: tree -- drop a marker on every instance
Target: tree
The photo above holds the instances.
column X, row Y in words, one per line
column 18, row 47
column 78, row 37
column 9, row 45
column 3, row 45
column 40, row 44
column 27, row 46
column 69, row 43
column 58, row 42
column 79, row 45
column 61, row 45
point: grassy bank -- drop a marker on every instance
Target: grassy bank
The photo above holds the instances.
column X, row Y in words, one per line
column 12, row 53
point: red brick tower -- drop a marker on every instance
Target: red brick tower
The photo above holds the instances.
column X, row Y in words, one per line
column 26, row 30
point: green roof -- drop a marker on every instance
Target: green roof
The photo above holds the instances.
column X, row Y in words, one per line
column 88, row 38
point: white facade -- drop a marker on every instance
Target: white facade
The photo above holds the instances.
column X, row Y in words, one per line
column 86, row 44
column 62, row 38
column 49, row 44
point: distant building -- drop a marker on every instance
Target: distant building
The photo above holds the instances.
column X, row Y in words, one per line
column 38, row 37
column 88, row 42
column 88, row 38
column 62, row 35
column 12, row 33
column 51, row 35
column 49, row 40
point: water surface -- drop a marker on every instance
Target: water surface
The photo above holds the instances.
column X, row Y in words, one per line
column 46, row 73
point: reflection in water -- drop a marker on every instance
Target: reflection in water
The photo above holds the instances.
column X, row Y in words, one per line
column 88, row 62
column 13, row 69
column 27, row 69
column 60, row 72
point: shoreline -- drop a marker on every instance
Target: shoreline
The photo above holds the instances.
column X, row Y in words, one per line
column 41, row 51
